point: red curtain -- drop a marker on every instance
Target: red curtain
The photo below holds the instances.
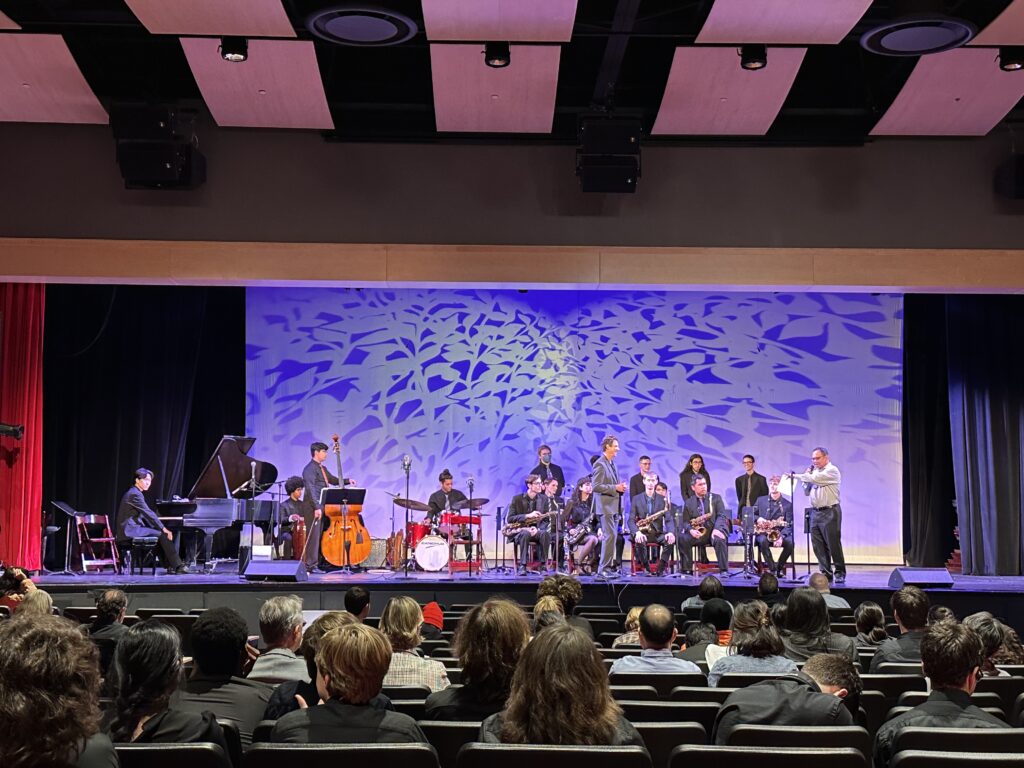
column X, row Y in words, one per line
column 21, row 402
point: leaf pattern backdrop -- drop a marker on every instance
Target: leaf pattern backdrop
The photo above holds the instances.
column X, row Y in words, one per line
column 474, row 380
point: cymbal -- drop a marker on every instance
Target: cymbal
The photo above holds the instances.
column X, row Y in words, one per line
column 468, row 504
column 417, row 506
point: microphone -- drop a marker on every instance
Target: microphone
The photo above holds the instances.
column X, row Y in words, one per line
column 406, row 462
column 252, row 466
column 470, row 481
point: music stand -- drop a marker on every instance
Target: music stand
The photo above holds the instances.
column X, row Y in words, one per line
column 72, row 514
column 343, row 497
column 747, row 519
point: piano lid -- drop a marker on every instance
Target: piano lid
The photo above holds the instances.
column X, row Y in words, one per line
column 229, row 469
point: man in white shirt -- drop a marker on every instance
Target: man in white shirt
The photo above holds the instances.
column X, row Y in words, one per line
column 821, row 484
column 657, row 633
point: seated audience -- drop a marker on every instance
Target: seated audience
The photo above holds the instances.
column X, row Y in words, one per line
column 400, row 622
column 14, row 585
column 819, row 581
column 351, row 663
column 216, row 683
column 146, row 669
column 433, row 621
column 560, row 695
column 937, row 613
column 49, row 697
column 657, row 632
column 631, row 636
column 778, row 612
column 814, row 696
column 548, row 610
column 281, row 627
column 1011, row 651
column 699, row 637
column 357, row 602
column 755, row 645
column 718, row 613
column 489, row 640
column 37, row 602
column 807, row 630
column 870, row 623
column 990, row 631
column 569, row 591
column 768, row 589
column 910, row 609
column 710, row 587
column 952, row 655
column 107, row 629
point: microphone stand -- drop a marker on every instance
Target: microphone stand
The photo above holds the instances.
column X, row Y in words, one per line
column 469, row 564
column 807, row 527
column 406, row 466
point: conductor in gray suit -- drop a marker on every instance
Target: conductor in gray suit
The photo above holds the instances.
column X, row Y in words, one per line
column 608, row 490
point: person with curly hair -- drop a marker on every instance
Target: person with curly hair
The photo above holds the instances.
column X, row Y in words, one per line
column 400, row 622
column 569, row 592
column 147, row 668
column 560, row 695
column 489, row 640
column 1011, row 651
column 754, row 646
column 49, row 697
column 14, row 586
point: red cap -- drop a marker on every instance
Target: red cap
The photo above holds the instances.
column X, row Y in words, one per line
column 432, row 614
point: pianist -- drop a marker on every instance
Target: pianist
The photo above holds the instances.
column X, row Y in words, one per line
column 136, row 520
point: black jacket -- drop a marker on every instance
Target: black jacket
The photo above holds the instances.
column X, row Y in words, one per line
column 552, row 470
column 229, row 698
column 712, row 502
column 468, row 702
column 758, row 488
column 135, row 518
column 335, row 722
column 905, row 649
column 173, row 726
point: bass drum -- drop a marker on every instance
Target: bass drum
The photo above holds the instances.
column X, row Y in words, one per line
column 432, row 553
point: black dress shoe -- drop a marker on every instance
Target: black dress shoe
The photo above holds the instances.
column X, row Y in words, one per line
column 840, row 578
column 521, row 571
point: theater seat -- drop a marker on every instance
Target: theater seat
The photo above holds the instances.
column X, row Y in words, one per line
column 535, row 756
column 851, row 736
column 662, row 738
column 959, row 740
column 921, row 759
column 447, row 737
column 335, row 755
column 688, row 756
column 198, row 755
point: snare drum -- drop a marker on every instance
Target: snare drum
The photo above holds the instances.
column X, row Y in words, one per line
column 432, row 553
column 414, row 533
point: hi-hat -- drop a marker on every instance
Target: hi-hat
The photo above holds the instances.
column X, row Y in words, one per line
column 470, row 504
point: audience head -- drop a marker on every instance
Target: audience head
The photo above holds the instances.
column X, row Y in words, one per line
column 49, row 691
column 951, row 655
column 351, row 663
column 560, row 692
column 709, row 588
column 1010, row 652
column 548, row 610
column 834, row 673
column 489, row 640
column 819, row 581
column 767, row 585
column 400, row 621
column 870, row 621
column 716, row 612
column 218, row 641
column 701, row 632
column 147, row 667
column 111, row 606
column 990, row 632
column 778, row 612
column 281, row 622
column 753, row 633
column 324, row 623
column 357, row 602
column 13, row 580
column 657, row 627
column 36, row 603
column 937, row 613
column 910, row 607
column 632, row 623
column 565, row 588
column 806, row 613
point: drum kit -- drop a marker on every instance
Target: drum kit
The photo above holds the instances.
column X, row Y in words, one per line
column 428, row 547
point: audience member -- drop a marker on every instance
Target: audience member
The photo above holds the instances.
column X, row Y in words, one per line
column 147, row 667
column 631, row 636
column 560, row 695
column 768, row 589
column 37, row 602
column 547, row 611
column 699, row 637
column 49, row 697
column 351, row 663
column 570, row 592
column 938, row 613
column 870, row 623
column 400, row 622
column 819, row 581
column 910, row 609
column 755, row 646
column 357, row 602
column 990, row 632
column 814, row 696
column 108, row 627
column 489, row 640
column 1011, row 651
column 951, row 655
column 216, row 683
column 281, row 627
column 718, row 613
column 657, row 632
column 14, row 585
column 807, row 629
column 710, row 587
column 433, row 621
column 778, row 612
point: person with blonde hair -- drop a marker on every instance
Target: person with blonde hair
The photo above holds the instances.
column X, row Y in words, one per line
column 400, row 622
column 632, row 625
column 351, row 664
column 36, row 603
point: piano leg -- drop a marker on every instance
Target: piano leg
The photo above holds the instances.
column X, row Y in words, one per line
column 208, row 552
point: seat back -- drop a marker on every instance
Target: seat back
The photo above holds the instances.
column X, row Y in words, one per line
column 697, row 693
column 892, row 686
column 448, row 737
column 83, row 614
column 852, row 736
column 1008, row 688
column 233, row 739
column 406, row 691
column 537, row 756
column 743, row 679
column 261, row 732
column 634, row 692
column 958, row 740
column 662, row 738
column 900, row 668
column 183, row 623
column 703, row 712
column 414, row 708
column 662, row 683
column 914, row 758
column 197, row 755
column 334, row 755
column 687, row 756
column 149, row 613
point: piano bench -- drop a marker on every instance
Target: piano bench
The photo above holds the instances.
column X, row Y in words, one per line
column 142, row 551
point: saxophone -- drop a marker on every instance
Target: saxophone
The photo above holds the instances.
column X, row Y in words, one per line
column 769, row 528
column 644, row 524
column 511, row 529
column 696, row 523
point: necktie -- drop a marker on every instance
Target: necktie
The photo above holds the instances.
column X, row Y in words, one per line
column 748, row 491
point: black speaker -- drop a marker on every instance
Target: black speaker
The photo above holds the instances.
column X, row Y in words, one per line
column 275, row 570
column 1009, row 178
column 160, row 165
column 920, row 577
column 608, row 173
column 609, row 136
column 150, row 122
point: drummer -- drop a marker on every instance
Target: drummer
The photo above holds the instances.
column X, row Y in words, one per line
column 442, row 502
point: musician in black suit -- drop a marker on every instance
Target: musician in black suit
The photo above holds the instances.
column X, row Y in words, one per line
column 546, row 470
column 675, row 514
column 293, row 509
column 659, row 531
column 636, row 482
column 750, row 486
column 316, row 477
column 136, row 520
column 776, row 507
column 581, row 519
column 443, row 500
column 717, row 526
column 529, row 508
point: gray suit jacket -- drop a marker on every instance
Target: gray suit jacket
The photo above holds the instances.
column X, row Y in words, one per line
column 605, row 478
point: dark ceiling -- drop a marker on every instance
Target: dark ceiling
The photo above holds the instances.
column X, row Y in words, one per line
column 385, row 94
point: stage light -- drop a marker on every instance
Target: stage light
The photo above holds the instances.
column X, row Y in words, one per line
column 753, row 56
column 1011, row 58
column 234, row 49
column 497, row 55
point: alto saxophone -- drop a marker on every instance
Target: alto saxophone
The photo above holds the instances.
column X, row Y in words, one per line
column 770, row 528
column 644, row 524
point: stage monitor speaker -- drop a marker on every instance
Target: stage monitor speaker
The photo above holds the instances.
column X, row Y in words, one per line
column 160, row 165
column 275, row 570
column 1009, row 178
column 920, row 577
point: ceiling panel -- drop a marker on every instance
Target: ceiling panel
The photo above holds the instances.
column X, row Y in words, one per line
column 470, row 96
column 1006, row 29
column 957, row 93
column 278, row 86
column 6, row 22
column 708, row 93
column 41, row 83
column 248, row 18
column 791, row 22
column 511, row 20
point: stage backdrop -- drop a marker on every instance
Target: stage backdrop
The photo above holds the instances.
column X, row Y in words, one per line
column 475, row 380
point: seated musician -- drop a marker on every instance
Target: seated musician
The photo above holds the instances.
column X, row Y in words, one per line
column 675, row 514
column 442, row 501
column 707, row 508
column 555, row 503
column 292, row 509
column 528, row 511
column 777, row 509
column 136, row 520
column 582, row 531
column 657, row 530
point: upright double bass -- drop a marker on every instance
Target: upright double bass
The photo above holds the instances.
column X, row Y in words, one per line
column 346, row 532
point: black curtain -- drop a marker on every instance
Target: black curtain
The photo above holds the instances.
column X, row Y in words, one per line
column 137, row 376
column 928, row 488
column 986, row 404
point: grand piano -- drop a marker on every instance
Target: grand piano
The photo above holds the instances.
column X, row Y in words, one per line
column 223, row 495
